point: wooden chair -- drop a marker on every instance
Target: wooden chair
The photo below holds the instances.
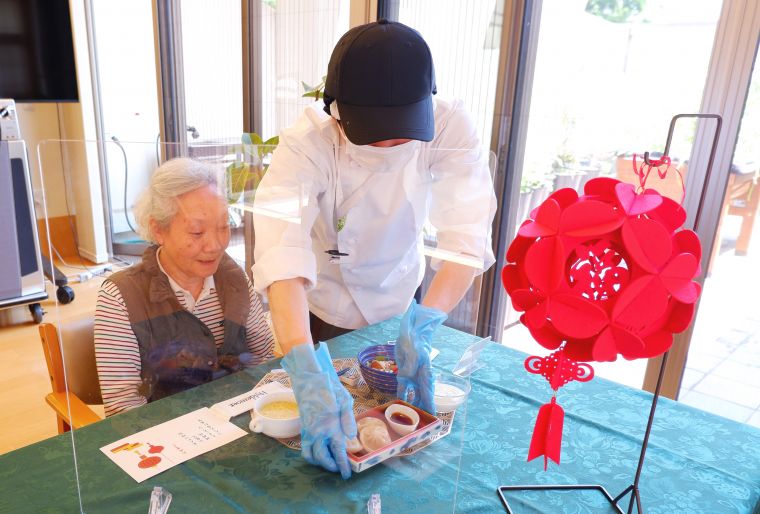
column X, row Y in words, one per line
column 72, row 342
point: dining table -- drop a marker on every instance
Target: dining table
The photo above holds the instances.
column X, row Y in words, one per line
column 696, row 462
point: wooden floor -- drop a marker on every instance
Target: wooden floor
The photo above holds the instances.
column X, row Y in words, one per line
column 25, row 418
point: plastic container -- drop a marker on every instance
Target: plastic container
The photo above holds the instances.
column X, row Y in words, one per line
column 451, row 391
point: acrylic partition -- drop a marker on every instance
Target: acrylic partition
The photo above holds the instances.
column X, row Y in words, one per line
column 176, row 415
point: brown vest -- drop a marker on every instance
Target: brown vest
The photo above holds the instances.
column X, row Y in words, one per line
column 177, row 350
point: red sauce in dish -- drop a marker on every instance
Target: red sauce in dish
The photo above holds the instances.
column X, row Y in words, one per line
column 401, row 419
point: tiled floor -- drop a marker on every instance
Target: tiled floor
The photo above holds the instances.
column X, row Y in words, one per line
column 722, row 372
column 723, row 369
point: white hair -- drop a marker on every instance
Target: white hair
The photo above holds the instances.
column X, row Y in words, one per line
column 158, row 202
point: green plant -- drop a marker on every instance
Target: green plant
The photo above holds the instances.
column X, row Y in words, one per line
column 565, row 157
column 529, row 184
column 315, row 92
column 252, row 155
column 616, row 11
column 250, row 166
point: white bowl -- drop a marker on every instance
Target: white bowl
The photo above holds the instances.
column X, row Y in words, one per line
column 396, row 416
column 279, row 427
column 451, row 391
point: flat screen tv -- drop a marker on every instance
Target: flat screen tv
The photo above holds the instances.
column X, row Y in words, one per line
column 36, row 51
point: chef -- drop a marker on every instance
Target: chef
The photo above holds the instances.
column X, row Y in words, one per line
column 339, row 223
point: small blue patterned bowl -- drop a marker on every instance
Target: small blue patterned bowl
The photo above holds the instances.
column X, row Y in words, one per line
column 376, row 379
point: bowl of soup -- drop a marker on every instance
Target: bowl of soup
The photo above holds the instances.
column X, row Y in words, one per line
column 276, row 415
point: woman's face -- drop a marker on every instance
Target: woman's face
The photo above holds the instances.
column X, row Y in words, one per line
column 193, row 243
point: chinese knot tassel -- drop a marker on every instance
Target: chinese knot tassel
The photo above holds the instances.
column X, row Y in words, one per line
column 547, row 433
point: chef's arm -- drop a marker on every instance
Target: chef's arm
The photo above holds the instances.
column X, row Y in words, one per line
column 449, row 284
column 290, row 312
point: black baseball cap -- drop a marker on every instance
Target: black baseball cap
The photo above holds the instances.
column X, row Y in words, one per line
column 381, row 75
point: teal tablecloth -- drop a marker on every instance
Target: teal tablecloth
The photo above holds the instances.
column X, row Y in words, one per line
column 696, row 462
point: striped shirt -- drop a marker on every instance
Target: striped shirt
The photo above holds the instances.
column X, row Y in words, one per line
column 117, row 351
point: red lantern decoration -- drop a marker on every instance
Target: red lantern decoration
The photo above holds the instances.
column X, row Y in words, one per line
column 600, row 275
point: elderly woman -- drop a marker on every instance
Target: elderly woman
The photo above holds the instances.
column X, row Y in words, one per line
column 187, row 313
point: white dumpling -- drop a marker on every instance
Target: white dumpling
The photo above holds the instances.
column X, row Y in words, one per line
column 374, row 437
column 368, row 422
column 354, row 445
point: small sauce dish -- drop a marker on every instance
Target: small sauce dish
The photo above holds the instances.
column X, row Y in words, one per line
column 402, row 419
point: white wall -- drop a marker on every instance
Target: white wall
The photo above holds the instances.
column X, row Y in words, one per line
column 80, row 161
column 39, row 126
column 128, row 95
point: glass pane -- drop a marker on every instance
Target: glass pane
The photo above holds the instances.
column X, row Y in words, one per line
column 135, row 388
column 721, row 374
column 606, row 85
column 212, row 61
column 464, row 38
column 129, row 110
column 297, row 38
column 375, row 238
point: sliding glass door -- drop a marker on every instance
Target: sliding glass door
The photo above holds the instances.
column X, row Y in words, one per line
column 606, row 80
column 722, row 373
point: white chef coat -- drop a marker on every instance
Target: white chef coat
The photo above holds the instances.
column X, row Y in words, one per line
column 446, row 181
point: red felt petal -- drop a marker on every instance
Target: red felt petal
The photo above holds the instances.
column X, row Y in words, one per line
column 647, row 242
column 686, row 241
column 544, row 264
column 677, row 275
column 565, row 197
column 546, row 335
column 657, row 344
column 680, row 317
column 669, row 213
column 602, row 187
column 524, row 299
column 576, row 317
column 640, row 304
column 590, row 218
column 579, row 350
column 512, row 278
column 519, row 246
column 535, row 317
column 546, row 222
column 628, row 344
column 604, row 349
column 634, row 204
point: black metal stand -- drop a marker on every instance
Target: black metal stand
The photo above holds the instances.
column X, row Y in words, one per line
column 632, row 489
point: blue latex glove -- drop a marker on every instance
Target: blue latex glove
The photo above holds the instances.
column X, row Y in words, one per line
column 326, row 408
column 413, row 354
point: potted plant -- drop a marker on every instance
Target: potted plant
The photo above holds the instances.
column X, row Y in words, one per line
column 253, row 155
column 251, row 163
